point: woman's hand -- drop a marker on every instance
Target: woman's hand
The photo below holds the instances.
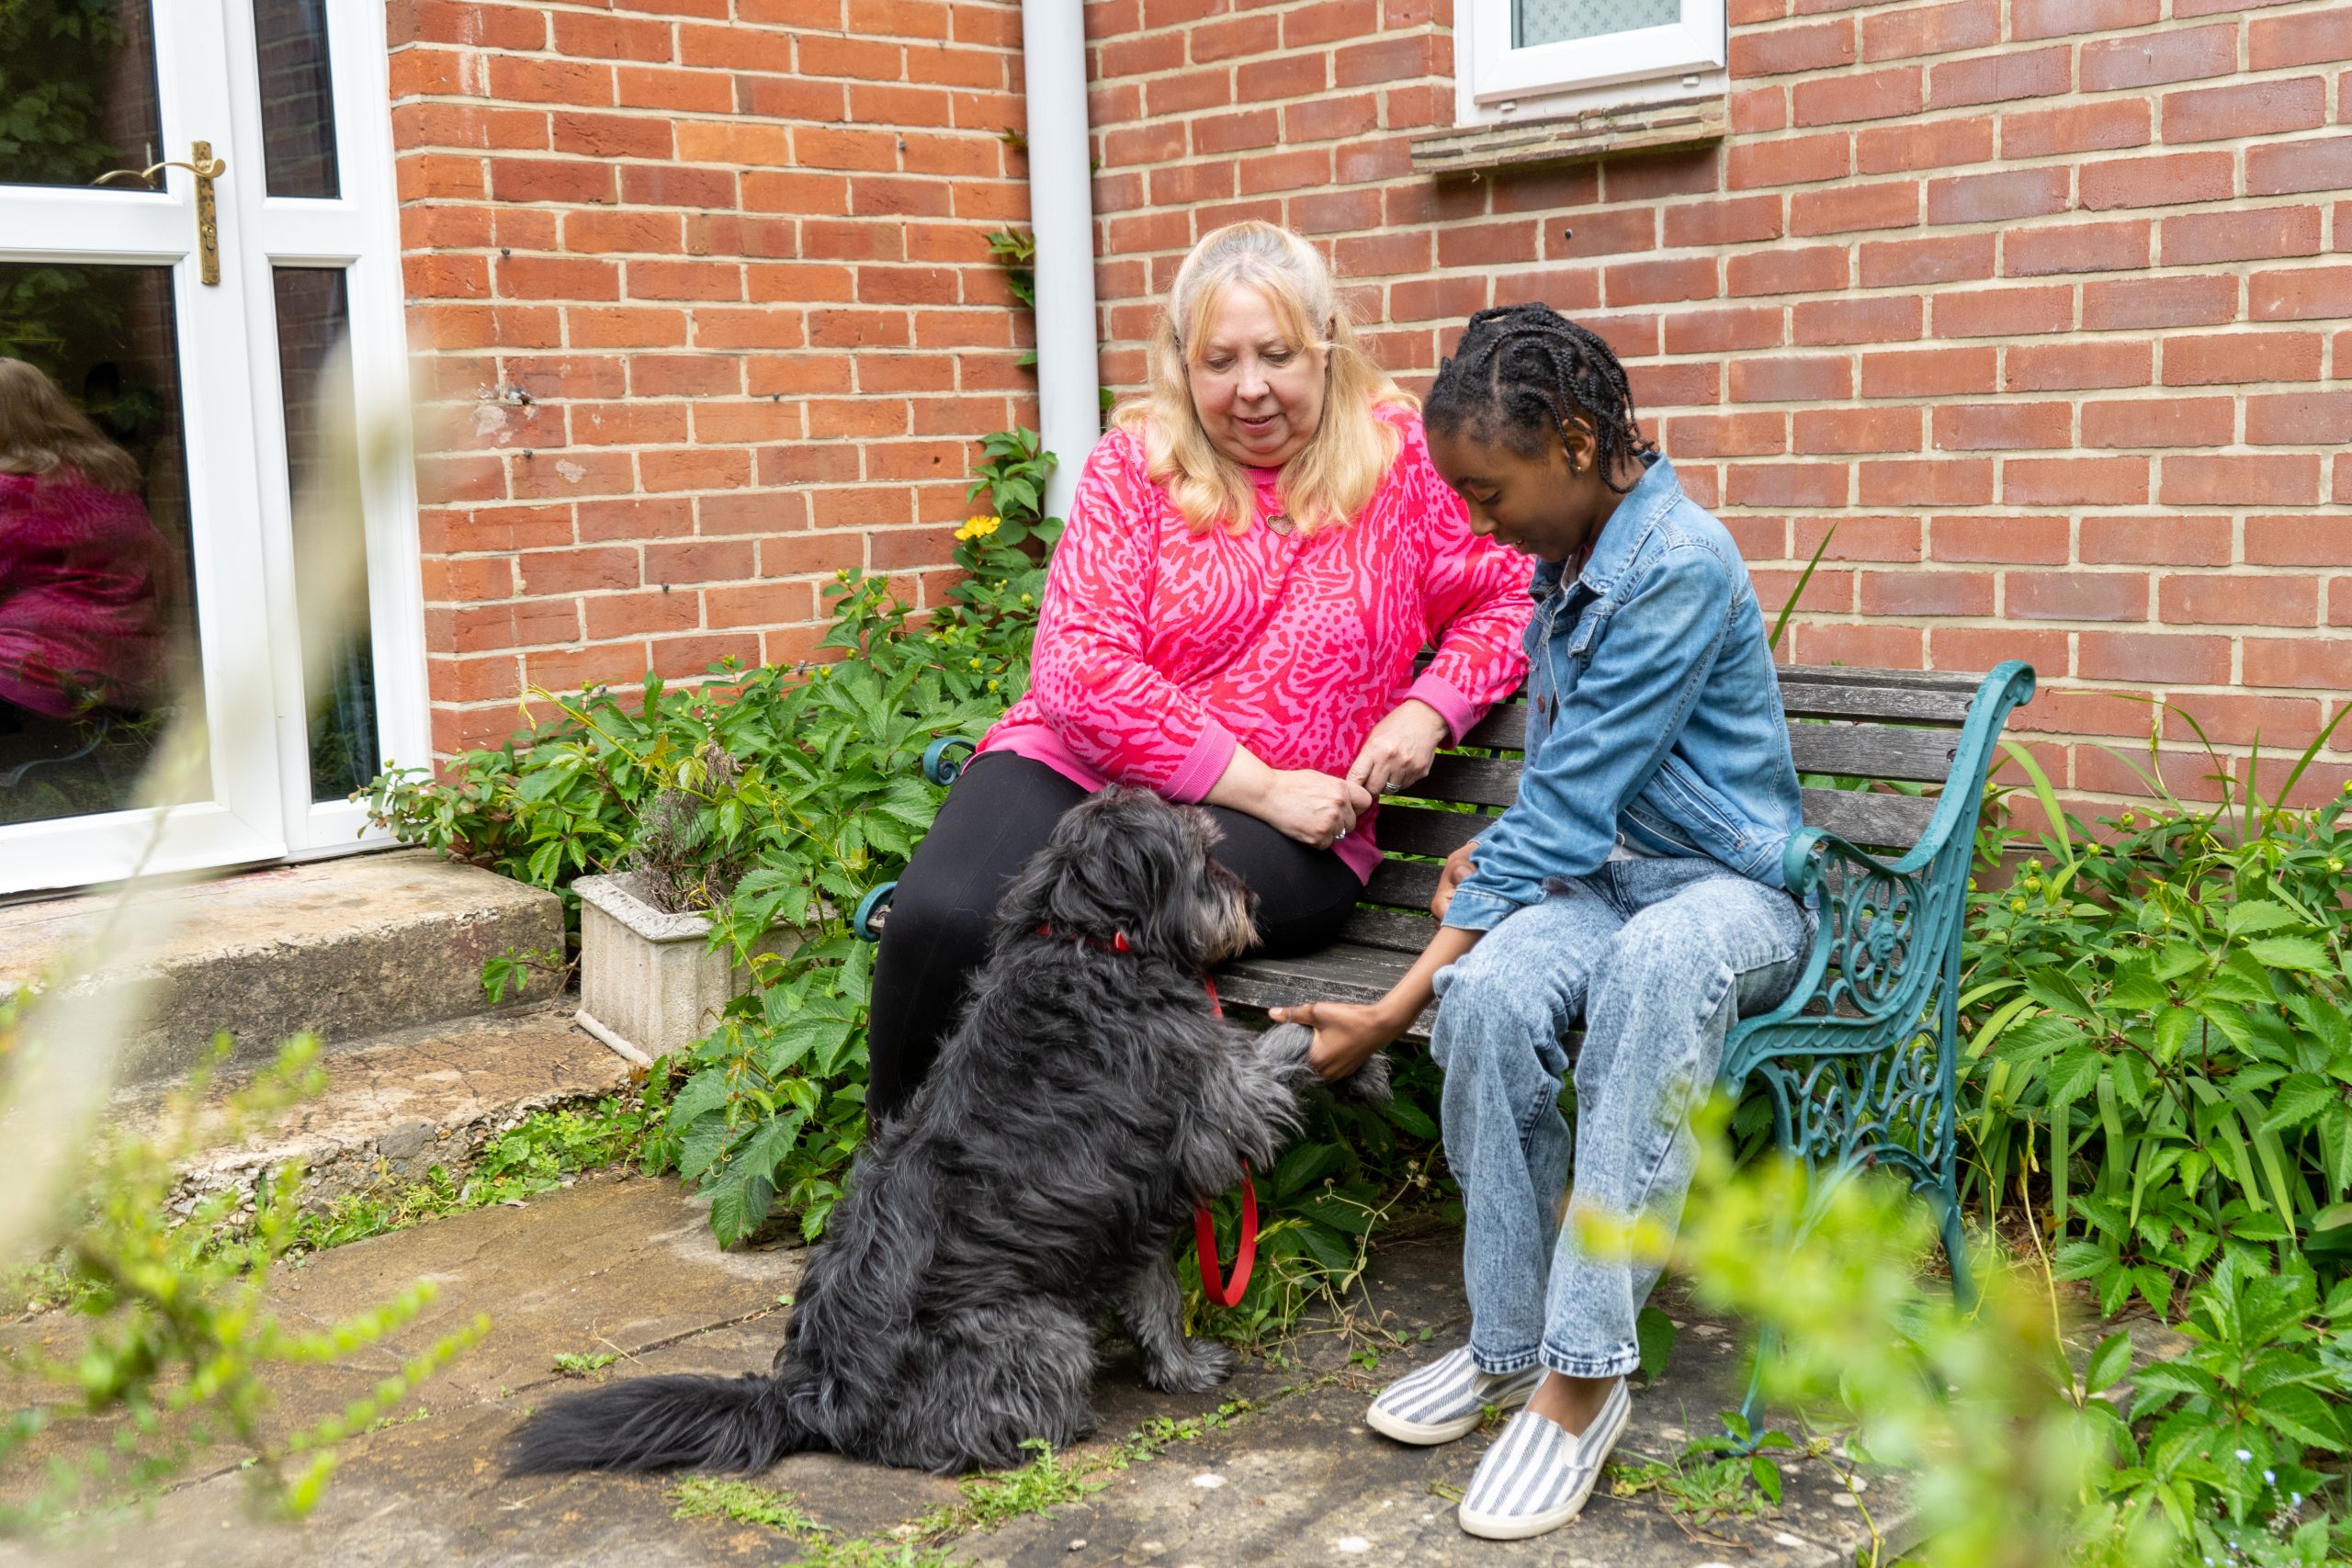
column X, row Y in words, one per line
column 1458, row 867
column 1315, row 808
column 1346, row 1033
column 1400, row 747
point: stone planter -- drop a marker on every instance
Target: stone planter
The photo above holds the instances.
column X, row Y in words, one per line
column 650, row 982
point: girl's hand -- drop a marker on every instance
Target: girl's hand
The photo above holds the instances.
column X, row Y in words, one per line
column 1315, row 808
column 1400, row 747
column 1458, row 867
column 1346, row 1033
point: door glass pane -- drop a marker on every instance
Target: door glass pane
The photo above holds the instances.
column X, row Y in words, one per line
column 97, row 620
column 297, row 97
column 1537, row 22
column 329, row 542
column 77, row 91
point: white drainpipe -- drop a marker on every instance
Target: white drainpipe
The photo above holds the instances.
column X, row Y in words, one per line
column 1061, row 215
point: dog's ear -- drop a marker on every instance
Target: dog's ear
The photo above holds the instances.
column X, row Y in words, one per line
column 1123, row 863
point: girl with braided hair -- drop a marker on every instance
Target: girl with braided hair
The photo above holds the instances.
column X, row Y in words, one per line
column 1635, row 883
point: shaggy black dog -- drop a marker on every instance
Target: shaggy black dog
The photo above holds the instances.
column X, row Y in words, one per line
column 1087, row 1097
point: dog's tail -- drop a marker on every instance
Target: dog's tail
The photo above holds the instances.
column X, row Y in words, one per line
column 665, row 1423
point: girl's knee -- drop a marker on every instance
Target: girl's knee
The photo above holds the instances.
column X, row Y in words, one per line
column 1484, row 1016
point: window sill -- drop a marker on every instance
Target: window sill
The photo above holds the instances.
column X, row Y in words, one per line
column 1588, row 134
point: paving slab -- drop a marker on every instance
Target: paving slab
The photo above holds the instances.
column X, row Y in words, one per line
column 349, row 949
column 434, row 1095
column 627, row 1266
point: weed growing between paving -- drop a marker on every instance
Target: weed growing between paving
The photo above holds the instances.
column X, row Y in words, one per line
column 181, row 1342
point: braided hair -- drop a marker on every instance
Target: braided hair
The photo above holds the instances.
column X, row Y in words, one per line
column 1525, row 375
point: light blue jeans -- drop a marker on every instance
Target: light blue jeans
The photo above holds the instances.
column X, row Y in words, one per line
column 1657, row 957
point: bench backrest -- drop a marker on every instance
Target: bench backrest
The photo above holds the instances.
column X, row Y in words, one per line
column 1845, row 725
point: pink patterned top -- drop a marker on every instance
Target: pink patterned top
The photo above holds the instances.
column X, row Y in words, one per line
column 1159, row 650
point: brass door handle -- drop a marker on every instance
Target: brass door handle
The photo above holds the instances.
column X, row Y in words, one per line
column 206, row 168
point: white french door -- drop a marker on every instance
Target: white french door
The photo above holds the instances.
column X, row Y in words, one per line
column 172, row 348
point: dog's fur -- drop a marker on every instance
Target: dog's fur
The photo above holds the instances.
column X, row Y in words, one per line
column 1086, row 1100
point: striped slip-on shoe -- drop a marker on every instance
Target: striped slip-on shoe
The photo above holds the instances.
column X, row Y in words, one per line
column 1536, row 1476
column 1447, row 1399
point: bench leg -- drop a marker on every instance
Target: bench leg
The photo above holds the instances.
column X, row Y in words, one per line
column 1955, row 1241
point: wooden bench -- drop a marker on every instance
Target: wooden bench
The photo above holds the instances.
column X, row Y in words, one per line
column 1859, row 1062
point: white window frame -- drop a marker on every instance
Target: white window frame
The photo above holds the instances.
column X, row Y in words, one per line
column 1494, row 84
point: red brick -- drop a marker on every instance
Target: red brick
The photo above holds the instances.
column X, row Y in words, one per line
column 2125, row 303
column 2235, row 719
column 1944, row 258
column 2002, row 426
column 2299, row 418
column 1657, row 176
column 1873, row 95
column 2157, row 658
column 2004, row 312
column 1786, row 269
column 1438, row 300
column 1778, row 52
column 1819, row 431
column 1488, row 244
column 1755, row 110
column 1843, row 208
column 1870, row 319
column 2173, row 180
column 664, row 87
column 2056, row 18
column 1237, row 132
column 579, row 36
column 2138, row 423
column 2076, row 128
column 2075, row 595
column 1787, row 484
column 1927, row 372
column 2076, row 247
column 1862, row 539
column 1294, row 170
column 1997, row 197
column 2304, row 294
column 2169, row 540
column 1716, row 332
column 1915, row 30
column 2001, row 78
column 1655, row 282
column 1932, row 144
column 2226, row 600
column 2252, row 109
column 1726, row 435
column 1792, row 159
column 2279, row 479
column 2146, row 58
column 2298, row 541
column 2074, row 482
column 1927, row 481
column 1981, row 648
column 2222, row 358
column 1872, row 647
column 2320, row 163
column 2296, row 661
column 1907, row 593
column 2055, row 366
column 1791, row 379
column 2201, row 239
column 1328, row 119
column 1187, row 90
column 2024, row 541
column 1726, row 220
column 1390, row 60
column 1330, row 21
column 568, row 180
column 2310, row 38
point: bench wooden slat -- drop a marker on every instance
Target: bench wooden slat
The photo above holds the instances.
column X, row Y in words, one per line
column 1860, row 751
column 1875, row 821
column 1402, row 883
column 1345, row 972
column 1392, row 928
column 1417, row 830
column 1960, row 680
column 1853, row 699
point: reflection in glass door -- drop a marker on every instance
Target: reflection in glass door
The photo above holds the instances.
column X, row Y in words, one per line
column 197, row 280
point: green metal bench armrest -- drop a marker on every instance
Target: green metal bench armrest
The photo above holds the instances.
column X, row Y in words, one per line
column 942, row 768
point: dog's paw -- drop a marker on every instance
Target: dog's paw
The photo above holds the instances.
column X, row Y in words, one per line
column 1286, row 1045
column 1197, row 1367
column 1368, row 1085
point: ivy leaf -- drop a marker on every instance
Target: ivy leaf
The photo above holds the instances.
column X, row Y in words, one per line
column 1654, row 1334
column 2108, row 1363
column 2300, row 1416
column 2300, row 954
column 2257, row 915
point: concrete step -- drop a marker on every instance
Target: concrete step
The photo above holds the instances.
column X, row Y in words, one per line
column 398, row 1106
column 351, row 949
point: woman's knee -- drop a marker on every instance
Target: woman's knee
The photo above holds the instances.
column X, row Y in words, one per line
column 929, row 915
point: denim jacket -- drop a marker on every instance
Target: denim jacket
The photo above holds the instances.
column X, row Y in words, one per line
column 1653, row 712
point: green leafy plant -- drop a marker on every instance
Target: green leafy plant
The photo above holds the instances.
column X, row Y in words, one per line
column 580, row 1363
column 173, row 1331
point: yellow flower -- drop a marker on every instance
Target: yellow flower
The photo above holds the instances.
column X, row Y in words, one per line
column 978, row 527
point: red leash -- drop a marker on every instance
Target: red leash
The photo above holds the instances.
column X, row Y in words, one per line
column 1220, row 1290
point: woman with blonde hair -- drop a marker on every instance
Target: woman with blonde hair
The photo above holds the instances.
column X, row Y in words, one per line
column 1255, row 555
column 83, row 571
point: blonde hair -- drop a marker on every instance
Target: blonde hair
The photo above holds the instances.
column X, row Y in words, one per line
column 41, row 432
column 1342, row 463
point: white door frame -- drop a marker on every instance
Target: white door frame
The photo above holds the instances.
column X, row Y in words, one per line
column 253, row 802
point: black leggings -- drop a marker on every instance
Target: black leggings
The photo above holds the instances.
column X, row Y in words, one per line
column 1000, row 813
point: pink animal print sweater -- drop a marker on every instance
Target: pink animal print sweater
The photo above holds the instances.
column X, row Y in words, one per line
column 1159, row 650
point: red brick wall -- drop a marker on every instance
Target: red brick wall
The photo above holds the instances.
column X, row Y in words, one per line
column 703, row 313
column 2039, row 302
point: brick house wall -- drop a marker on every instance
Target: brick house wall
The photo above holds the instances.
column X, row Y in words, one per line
column 703, row 313
column 2039, row 302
